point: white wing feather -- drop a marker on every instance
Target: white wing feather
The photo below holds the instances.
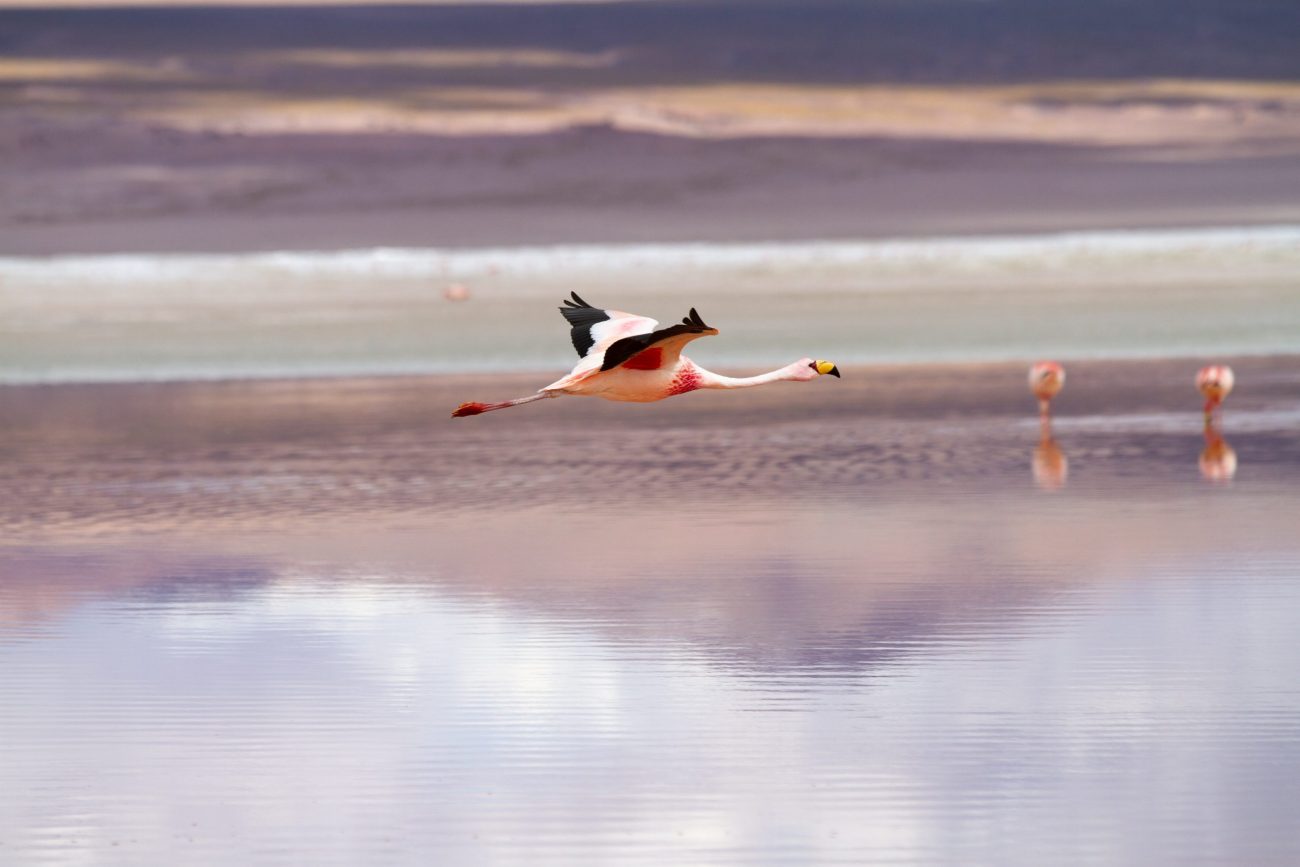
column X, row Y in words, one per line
column 618, row 326
column 605, row 334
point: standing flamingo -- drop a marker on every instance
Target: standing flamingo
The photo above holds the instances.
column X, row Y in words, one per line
column 1215, row 382
column 1046, row 379
column 625, row 358
column 1050, row 465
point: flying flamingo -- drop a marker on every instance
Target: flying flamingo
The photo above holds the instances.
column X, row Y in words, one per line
column 627, row 357
column 1215, row 382
column 1045, row 380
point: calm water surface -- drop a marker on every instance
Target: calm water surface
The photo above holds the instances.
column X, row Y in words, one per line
column 1107, row 674
column 318, row 623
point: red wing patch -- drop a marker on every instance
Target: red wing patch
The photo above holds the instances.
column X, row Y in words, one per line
column 647, row 359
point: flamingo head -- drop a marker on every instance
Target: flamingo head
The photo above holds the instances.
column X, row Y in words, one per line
column 1215, row 382
column 1046, row 379
column 808, row 368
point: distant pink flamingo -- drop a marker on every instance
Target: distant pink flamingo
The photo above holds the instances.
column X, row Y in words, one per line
column 1050, row 464
column 1046, row 378
column 627, row 357
column 1215, row 382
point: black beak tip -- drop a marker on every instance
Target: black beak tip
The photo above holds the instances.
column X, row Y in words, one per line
column 835, row 372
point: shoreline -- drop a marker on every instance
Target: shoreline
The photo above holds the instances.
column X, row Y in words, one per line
column 1074, row 296
column 1160, row 234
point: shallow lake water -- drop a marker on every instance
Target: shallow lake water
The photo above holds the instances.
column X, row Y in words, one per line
column 987, row 660
column 126, row 317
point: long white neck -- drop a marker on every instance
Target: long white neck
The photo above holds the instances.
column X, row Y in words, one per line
column 795, row 372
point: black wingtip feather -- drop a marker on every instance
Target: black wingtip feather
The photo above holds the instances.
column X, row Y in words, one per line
column 694, row 320
column 581, row 316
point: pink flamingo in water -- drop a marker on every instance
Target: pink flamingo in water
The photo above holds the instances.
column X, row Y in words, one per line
column 1046, row 378
column 1215, row 382
column 1051, row 467
column 1218, row 461
column 629, row 358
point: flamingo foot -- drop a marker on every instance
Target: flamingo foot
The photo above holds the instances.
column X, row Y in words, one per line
column 470, row 408
column 474, row 407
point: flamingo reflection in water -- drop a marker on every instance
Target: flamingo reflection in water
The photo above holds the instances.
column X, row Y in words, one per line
column 1218, row 461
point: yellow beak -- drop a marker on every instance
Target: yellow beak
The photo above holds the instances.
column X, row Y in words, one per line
column 825, row 367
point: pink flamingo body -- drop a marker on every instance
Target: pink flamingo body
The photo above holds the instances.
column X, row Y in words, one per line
column 626, row 357
column 1046, row 379
column 1215, row 382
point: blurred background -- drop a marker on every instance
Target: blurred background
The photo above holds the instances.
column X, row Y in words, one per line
column 339, row 168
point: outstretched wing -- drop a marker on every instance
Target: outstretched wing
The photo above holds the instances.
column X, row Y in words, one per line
column 658, row 348
column 593, row 330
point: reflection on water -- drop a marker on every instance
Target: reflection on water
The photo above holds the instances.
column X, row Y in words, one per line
column 971, row 678
column 1218, row 461
column 1050, row 465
